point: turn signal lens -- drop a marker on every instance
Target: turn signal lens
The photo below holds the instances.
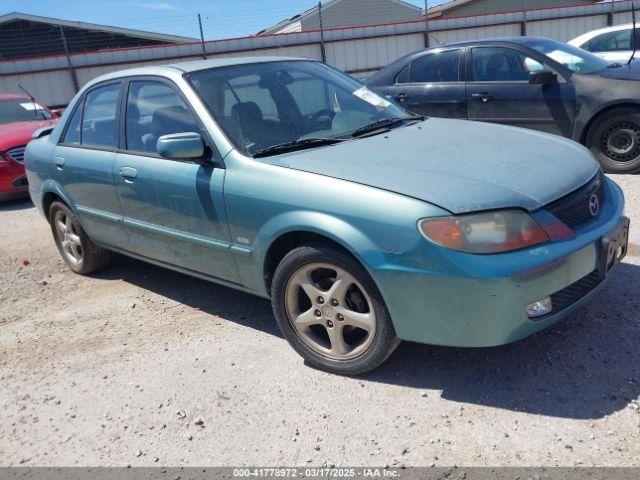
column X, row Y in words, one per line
column 484, row 233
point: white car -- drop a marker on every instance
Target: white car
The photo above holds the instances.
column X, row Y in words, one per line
column 612, row 43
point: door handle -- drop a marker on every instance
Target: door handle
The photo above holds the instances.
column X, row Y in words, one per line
column 484, row 96
column 401, row 97
column 128, row 173
column 59, row 161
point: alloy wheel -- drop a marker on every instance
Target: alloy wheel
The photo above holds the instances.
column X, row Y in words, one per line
column 330, row 311
column 68, row 237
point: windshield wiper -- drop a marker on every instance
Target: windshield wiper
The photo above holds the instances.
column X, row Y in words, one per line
column 384, row 124
column 296, row 145
column 615, row 65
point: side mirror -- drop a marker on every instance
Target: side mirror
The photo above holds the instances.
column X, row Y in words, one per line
column 545, row 77
column 181, row 146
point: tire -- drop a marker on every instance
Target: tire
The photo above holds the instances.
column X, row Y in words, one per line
column 346, row 328
column 614, row 139
column 76, row 249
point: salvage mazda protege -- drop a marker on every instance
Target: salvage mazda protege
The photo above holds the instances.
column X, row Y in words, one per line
column 364, row 224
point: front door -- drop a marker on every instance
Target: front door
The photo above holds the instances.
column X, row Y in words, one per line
column 499, row 91
column 173, row 210
column 84, row 162
column 432, row 85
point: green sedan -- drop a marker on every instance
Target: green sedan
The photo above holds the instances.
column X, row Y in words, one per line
column 363, row 224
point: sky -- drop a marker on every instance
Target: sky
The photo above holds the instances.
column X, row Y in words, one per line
column 221, row 18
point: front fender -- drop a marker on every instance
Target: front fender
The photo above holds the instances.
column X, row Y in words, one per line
column 332, row 227
column 300, row 221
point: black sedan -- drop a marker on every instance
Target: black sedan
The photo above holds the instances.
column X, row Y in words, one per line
column 527, row 82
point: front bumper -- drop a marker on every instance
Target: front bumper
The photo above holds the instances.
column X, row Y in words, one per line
column 441, row 297
column 13, row 181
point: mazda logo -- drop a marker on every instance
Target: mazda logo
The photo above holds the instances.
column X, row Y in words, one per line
column 594, row 205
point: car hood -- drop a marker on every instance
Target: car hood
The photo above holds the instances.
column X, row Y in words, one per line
column 625, row 72
column 458, row 165
column 19, row 133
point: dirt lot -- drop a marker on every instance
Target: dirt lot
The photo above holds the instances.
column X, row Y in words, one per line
column 142, row 366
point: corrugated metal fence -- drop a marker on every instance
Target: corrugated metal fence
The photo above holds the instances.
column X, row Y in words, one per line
column 359, row 50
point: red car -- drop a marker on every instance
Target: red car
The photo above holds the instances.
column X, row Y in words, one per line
column 20, row 117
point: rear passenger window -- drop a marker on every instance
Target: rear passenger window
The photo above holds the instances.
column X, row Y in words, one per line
column 72, row 134
column 154, row 109
column 433, row 68
column 99, row 118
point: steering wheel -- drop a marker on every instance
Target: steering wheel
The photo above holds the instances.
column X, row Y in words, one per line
column 325, row 112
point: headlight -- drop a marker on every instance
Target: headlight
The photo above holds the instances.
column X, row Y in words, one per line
column 488, row 232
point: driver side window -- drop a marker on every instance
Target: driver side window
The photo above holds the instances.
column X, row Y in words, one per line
column 499, row 64
column 154, row 109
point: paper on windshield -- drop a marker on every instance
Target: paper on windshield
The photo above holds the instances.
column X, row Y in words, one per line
column 372, row 98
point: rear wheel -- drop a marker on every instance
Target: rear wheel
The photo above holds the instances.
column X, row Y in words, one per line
column 331, row 312
column 77, row 250
column 614, row 138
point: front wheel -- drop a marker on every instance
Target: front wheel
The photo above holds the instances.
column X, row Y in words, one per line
column 331, row 312
column 614, row 138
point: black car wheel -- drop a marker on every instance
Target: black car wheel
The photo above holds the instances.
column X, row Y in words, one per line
column 614, row 138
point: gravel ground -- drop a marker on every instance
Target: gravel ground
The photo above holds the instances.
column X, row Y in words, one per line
column 142, row 366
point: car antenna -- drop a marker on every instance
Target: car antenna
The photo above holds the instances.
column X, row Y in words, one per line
column 33, row 100
column 634, row 39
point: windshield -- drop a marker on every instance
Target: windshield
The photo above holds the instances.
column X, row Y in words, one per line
column 21, row 110
column 263, row 105
column 575, row 59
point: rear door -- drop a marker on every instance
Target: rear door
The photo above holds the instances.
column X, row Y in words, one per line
column 433, row 85
column 499, row 91
column 173, row 210
column 84, row 161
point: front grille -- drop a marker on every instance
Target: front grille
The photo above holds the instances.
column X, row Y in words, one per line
column 17, row 153
column 573, row 210
column 568, row 296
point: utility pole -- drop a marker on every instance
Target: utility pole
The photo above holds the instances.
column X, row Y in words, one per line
column 426, row 24
column 523, row 26
column 204, row 51
column 610, row 15
column 72, row 71
column 323, row 50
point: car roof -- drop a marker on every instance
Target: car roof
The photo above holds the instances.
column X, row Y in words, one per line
column 192, row 66
column 226, row 62
column 512, row 40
